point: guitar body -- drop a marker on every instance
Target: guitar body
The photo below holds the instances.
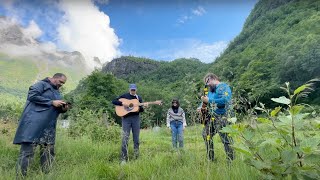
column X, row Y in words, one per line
column 133, row 107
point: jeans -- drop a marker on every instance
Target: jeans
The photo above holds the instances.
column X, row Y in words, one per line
column 177, row 133
column 26, row 156
column 213, row 127
column 128, row 123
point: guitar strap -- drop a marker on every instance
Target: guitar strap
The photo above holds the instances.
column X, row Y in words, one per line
column 137, row 97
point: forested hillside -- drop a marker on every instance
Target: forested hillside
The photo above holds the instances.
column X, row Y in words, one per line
column 280, row 42
column 156, row 80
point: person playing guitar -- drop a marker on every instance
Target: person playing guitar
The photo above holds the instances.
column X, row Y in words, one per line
column 128, row 107
column 130, row 121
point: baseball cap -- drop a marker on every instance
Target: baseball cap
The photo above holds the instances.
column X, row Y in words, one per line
column 133, row 86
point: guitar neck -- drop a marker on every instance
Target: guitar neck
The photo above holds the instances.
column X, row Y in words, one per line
column 147, row 103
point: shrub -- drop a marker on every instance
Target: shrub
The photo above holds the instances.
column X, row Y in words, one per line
column 284, row 143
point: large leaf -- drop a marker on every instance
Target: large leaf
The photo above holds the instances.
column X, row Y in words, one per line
column 270, row 141
column 259, row 108
column 229, row 130
column 300, row 89
column 296, row 109
column 275, row 111
column 242, row 149
column 310, row 145
column 285, row 120
column 264, row 120
column 281, row 100
column 248, row 135
column 288, row 156
column 312, row 158
column 260, row 165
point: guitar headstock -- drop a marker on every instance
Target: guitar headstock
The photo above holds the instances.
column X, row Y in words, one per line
column 158, row 102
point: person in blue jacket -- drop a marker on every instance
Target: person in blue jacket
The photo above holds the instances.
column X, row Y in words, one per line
column 37, row 125
column 219, row 102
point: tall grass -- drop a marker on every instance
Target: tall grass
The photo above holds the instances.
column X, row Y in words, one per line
column 81, row 158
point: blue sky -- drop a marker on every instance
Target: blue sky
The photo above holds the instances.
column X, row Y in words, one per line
column 160, row 30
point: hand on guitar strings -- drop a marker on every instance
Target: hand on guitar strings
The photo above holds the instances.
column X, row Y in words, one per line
column 204, row 99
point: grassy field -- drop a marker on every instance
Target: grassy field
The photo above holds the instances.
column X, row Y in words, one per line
column 81, row 158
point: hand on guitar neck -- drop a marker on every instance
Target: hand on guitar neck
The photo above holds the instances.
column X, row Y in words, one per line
column 132, row 106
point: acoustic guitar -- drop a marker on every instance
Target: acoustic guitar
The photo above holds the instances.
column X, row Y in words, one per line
column 133, row 106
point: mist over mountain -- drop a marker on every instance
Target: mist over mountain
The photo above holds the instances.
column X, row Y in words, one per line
column 24, row 60
column 16, row 41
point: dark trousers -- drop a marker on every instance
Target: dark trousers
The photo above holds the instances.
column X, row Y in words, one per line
column 26, row 156
column 128, row 123
column 212, row 127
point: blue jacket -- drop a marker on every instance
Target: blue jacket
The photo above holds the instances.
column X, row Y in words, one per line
column 39, row 118
column 220, row 98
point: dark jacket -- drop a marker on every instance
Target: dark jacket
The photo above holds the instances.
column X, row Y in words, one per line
column 129, row 97
column 39, row 118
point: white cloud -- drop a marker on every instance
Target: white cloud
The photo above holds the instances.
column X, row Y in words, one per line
column 199, row 11
column 32, row 31
column 184, row 19
column 48, row 47
column 28, row 45
column 205, row 52
column 19, row 51
column 102, row 1
column 86, row 29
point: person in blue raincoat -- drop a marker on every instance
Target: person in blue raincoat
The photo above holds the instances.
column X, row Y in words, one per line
column 219, row 108
column 37, row 125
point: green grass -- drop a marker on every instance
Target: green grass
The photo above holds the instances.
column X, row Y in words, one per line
column 80, row 158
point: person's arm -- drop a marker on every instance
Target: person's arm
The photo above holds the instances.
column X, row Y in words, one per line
column 141, row 109
column 117, row 102
column 35, row 95
column 224, row 95
column 168, row 118
column 184, row 119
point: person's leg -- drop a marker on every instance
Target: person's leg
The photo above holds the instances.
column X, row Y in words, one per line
column 136, row 134
column 47, row 155
column 226, row 140
column 180, row 133
column 174, row 133
column 207, row 134
column 126, row 126
column 25, row 158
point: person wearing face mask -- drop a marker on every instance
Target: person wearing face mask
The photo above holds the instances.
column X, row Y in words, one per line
column 219, row 101
column 37, row 125
column 176, row 120
column 130, row 121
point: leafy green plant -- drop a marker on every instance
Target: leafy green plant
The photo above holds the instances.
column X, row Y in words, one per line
column 284, row 142
column 90, row 123
column 10, row 110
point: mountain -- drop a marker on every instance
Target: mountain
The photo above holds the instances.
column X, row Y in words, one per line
column 24, row 60
column 127, row 66
column 135, row 69
column 280, row 42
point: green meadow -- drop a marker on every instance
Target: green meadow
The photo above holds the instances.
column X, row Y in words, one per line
column 82, row 158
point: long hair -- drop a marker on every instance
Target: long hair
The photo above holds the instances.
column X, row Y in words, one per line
column 177, row 101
